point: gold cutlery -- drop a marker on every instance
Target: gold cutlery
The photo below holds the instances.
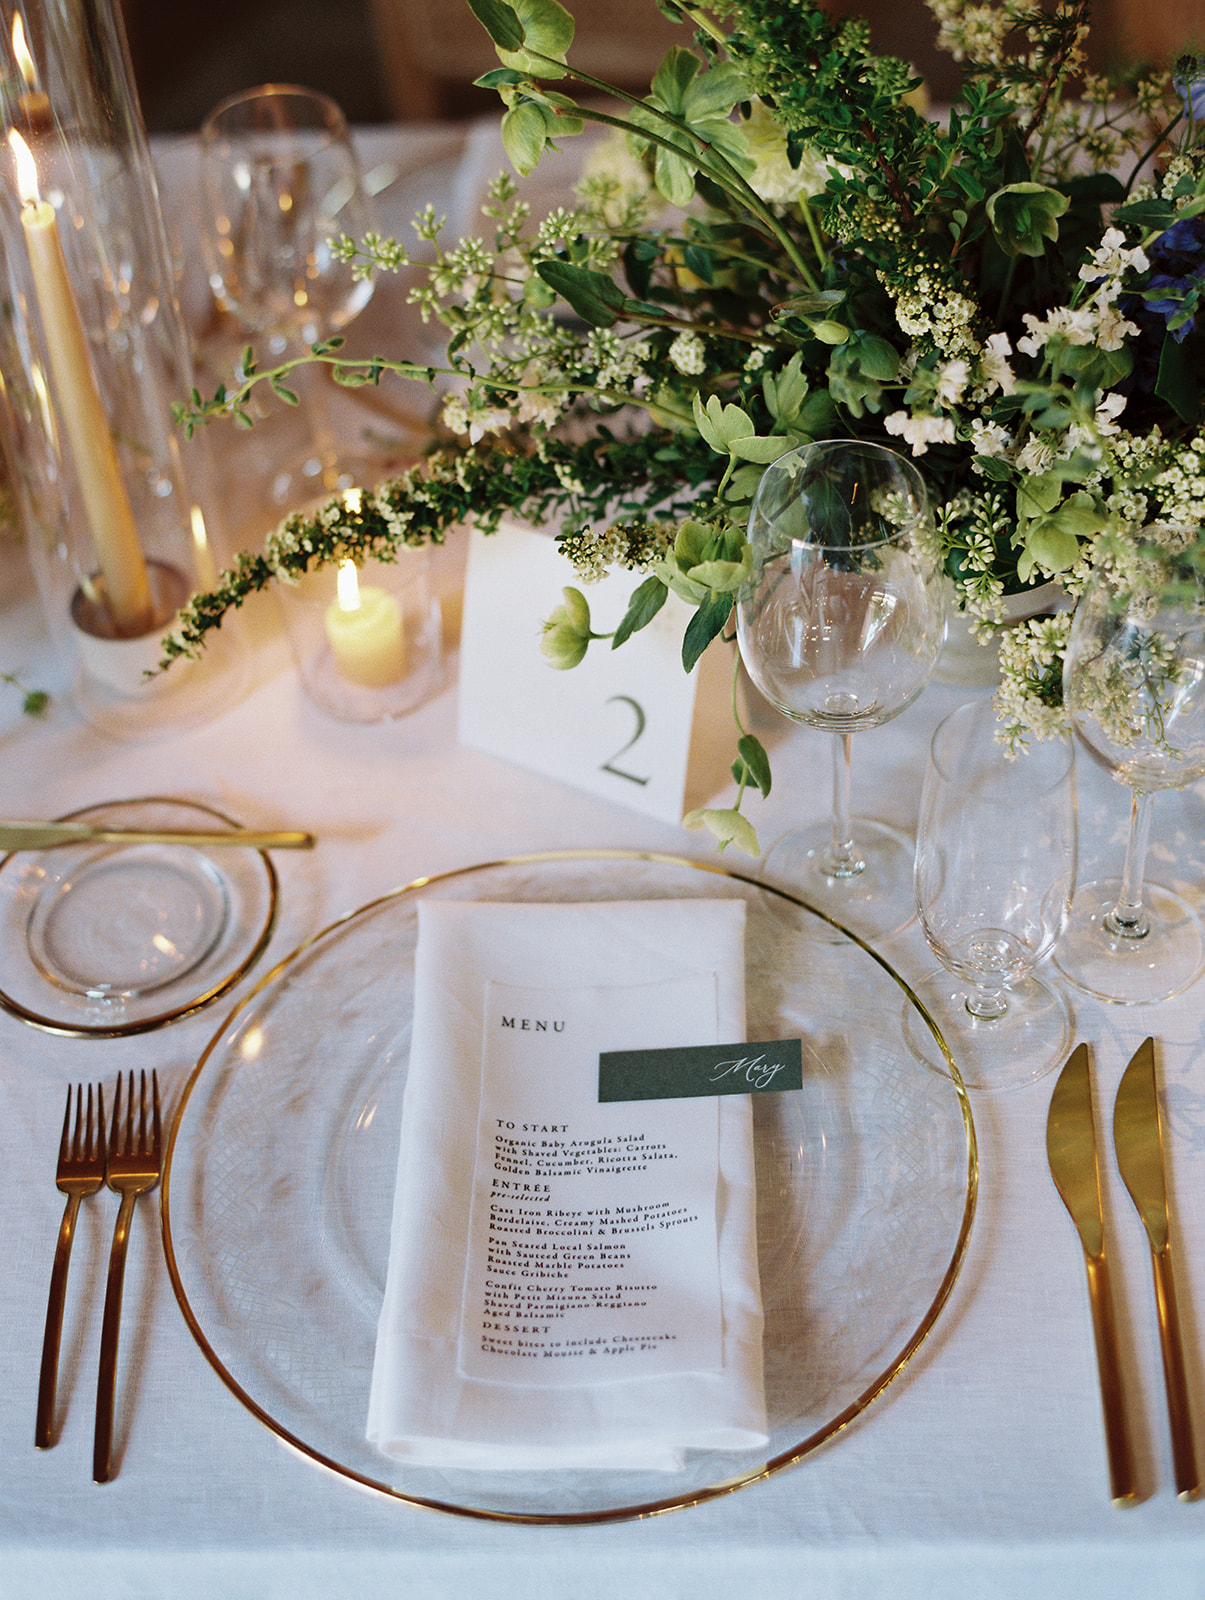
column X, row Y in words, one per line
column 1071, row 1152
column 81, row 1172
column 1138, row 1140
column 48, row 835
column 135, row 1160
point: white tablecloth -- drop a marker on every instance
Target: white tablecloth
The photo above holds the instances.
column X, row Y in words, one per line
column 980, row 1473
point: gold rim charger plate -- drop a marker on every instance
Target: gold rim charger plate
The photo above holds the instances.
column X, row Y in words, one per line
column 282, row 1160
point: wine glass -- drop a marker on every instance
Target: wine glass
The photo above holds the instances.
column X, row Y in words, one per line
column 1134, row 684
column 282, row 180
column 840, row 626
column 995, row 874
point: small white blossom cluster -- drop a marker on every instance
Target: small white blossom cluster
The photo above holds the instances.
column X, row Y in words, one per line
column 635, row 547
column 972, row 525
column 1180, row 487
column 688, row 354
column 981, row 33
column 930, row 310
column 1160, row 480
column 1027, row 701
column 973, row 32
column 615, row 186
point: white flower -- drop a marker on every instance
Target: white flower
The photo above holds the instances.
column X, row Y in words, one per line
column 1111, row 258
column 994, row 369
column 989, row 438
column 774, row 178
column 1036, row 457
column 952, row 378
column 920, row 432
column 1114, row 330
column 687, row 353
column 1107, row 412
column 486, row 422
column 1076, row 326
column 614, row 181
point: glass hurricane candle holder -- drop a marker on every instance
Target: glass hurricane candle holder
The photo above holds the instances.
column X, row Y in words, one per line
column 367, row 639
column 92, row 355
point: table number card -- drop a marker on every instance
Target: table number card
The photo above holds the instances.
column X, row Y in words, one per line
column 623, row 724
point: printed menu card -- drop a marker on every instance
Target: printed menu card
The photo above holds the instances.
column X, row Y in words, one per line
column 571, row 1283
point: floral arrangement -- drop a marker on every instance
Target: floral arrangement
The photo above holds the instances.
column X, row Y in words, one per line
column 781, row 244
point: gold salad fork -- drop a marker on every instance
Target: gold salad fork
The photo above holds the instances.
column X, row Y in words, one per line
column 135, row 1160
column 81, row 1172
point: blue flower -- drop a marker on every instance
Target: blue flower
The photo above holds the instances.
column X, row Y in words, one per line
column 1171, row 306
column 1185, row 237
column 1189, row 84
column 1178, row 257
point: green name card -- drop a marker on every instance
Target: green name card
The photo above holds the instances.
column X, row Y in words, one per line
column 700, row 1070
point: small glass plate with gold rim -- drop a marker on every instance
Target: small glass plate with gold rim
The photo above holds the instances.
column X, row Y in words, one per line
column 103, row 939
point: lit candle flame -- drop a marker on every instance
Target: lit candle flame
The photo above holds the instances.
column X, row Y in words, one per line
column 27, row 171
column 347, row 587
column 25, row 61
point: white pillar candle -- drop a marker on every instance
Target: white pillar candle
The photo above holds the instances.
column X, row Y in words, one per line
column 119, row 552
column 364, row 630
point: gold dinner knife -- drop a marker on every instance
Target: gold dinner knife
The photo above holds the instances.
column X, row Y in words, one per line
column 48, row 835
column 1071, row 1151
column 1138, row 1140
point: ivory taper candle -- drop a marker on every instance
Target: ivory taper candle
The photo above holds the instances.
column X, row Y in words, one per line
column 106, row 503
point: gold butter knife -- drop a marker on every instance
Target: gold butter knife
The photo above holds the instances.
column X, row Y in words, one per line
column 1138, row 1140
column 47, row 835
column 1071, row 1151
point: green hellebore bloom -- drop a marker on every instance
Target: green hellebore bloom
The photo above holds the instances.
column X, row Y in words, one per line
column 728, row 826
column 566, row 633
column 704, row 562
column 1024, row 216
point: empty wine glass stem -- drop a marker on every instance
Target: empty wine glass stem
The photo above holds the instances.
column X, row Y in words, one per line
column 842, row 859
column 986, row 1005
column 1128, row 919
column 312, row 382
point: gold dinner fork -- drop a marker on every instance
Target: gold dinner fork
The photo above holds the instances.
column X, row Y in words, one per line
column 81, row 1172
column 135, row 1160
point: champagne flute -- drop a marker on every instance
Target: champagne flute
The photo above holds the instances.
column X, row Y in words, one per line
column 840, row 626
column 995, row 873
column 282, row 180
column 1134, row 685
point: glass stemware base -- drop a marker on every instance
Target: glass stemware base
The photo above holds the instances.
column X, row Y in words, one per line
column 1031, row 1038
column 1125, row 970
column 876, row 902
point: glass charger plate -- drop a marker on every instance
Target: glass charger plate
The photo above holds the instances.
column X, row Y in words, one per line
column 102, row 940
column 279, row 1182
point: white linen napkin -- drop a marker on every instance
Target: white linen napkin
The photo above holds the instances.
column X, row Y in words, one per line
column 640, row 960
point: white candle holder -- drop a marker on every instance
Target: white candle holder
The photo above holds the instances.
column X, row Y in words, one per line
column 93, row 353
column 368, row 640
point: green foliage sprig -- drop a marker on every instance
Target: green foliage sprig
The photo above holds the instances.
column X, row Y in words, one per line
column 34, row 702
